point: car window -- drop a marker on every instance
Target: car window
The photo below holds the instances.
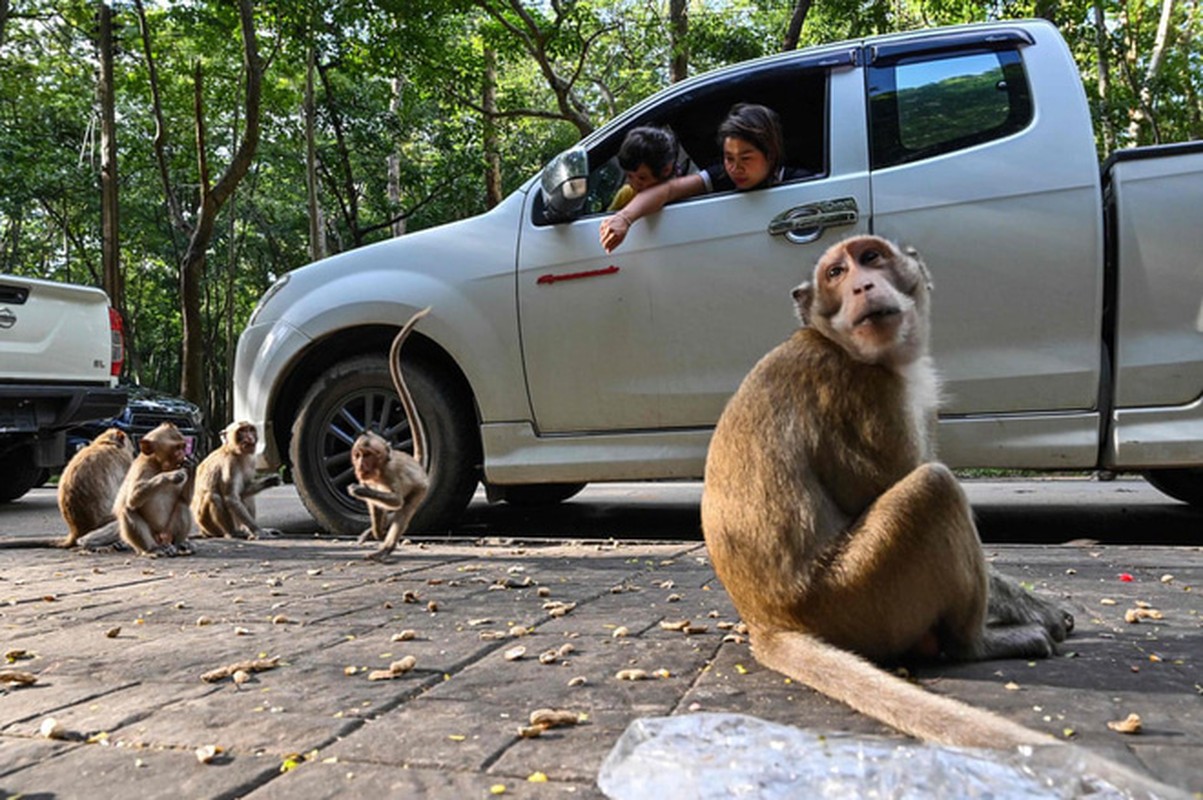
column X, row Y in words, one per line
column 797, row 92
column 925, row 106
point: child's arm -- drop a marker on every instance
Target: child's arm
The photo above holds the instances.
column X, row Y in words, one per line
column 649, row 201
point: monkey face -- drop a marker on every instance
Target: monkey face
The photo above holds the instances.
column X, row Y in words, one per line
column 369, row 454
column 870, row 298
column 166, row 445
column 240, row 438
column 247, row 440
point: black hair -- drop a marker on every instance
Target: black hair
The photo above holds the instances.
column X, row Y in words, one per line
column 757, row 125
column 656, row 147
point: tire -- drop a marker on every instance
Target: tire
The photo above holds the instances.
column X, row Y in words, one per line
column 535, row 495
column 358, row 394
column 18, row 474
column 1184, row 483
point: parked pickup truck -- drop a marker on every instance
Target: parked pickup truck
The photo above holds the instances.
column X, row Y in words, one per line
column 1067, row 318
column 61, row 348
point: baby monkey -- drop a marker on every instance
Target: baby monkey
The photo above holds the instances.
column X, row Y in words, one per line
column 832, row 528
column 224, row 503
column 393, row 483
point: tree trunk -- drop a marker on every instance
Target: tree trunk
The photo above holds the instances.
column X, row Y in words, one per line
column 110, row 244
column 212, row 200
column 491, row 141
column 1101, row 45
column 678, row 28
column 3, row 19
column 317, row 226
column 1144, row 111
column 394, row 165
column 794, row 32
column 350, row 195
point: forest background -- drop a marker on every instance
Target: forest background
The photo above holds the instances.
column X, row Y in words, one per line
column 183, row 155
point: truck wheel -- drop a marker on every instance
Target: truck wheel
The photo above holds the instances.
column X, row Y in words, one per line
column 1184, row 483
column 18, row 475
column 357, row 395
column 534, row 495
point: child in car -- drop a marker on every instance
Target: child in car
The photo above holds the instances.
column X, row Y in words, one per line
column 648, row 156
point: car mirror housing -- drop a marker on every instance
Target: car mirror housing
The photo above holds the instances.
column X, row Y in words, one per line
column 565, row 184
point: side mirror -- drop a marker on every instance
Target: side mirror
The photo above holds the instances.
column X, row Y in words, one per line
column 565, row 185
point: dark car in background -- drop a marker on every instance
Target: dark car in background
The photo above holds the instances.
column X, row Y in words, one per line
column 146, row 409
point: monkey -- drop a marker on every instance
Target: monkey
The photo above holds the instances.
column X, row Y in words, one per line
column 393, row 483
column 224, row 501
column 152, row 506
column 87, row 488
column 839, row 538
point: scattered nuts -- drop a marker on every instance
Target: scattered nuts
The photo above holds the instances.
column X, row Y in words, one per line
column 206, row 754
column 1129, row 725
column 553, row 717
column 16, row 677
column 515, row 653
column 51, row 728
column 631, row 675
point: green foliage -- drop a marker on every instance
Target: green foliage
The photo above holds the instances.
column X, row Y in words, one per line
column 561, row 68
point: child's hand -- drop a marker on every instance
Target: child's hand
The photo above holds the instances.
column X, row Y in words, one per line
column 613, row 231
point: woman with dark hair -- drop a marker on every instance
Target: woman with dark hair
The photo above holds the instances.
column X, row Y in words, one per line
column 751, row 141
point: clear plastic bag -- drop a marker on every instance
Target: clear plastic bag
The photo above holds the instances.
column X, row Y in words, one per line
column 704, row 756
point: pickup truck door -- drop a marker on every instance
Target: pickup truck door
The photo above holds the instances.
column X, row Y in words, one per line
column 660, row 333
column 1002, row 198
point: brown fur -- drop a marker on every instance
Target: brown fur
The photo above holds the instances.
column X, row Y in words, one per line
column 393, row 483
column 832, row 528
column 86, row 489
column 224, row 502
column 151, row 508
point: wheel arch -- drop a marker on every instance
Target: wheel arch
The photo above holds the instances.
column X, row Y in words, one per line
column 349, row 343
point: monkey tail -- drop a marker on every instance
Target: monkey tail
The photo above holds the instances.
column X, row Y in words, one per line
column 850, row 679
column 407, row 402
column 30, row 544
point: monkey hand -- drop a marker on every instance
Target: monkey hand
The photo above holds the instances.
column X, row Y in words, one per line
column 178, row 476
column 356, row 490
column 268, row 481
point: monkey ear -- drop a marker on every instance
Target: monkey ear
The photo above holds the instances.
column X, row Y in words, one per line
column 918, row 259
column 803, row 298
column 146, row 446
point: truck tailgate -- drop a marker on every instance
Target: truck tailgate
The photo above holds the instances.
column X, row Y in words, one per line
column 53, row 332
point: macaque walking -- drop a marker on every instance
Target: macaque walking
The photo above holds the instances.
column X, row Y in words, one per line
column 224, row 501
column 152, row 511
column 393, row 483
column 836, row 534
column 87, row 488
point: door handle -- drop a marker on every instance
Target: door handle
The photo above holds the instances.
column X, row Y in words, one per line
column 804, row 224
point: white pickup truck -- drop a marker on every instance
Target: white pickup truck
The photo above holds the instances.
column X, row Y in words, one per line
column 1067, row 310
column 61, row 349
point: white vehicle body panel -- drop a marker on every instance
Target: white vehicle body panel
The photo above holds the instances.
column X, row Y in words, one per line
column 616, row 366
column 59, row 333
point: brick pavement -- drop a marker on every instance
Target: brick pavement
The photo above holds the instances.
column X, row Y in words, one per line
column 134, row 709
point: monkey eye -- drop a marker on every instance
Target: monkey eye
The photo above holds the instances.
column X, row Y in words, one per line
column 835, row 271
column 869, row 256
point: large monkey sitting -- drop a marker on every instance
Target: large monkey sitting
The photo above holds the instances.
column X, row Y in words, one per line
column 153, row 515
column 392, row 482
column 834, row 531
column 87, row 488
column 224, row 502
